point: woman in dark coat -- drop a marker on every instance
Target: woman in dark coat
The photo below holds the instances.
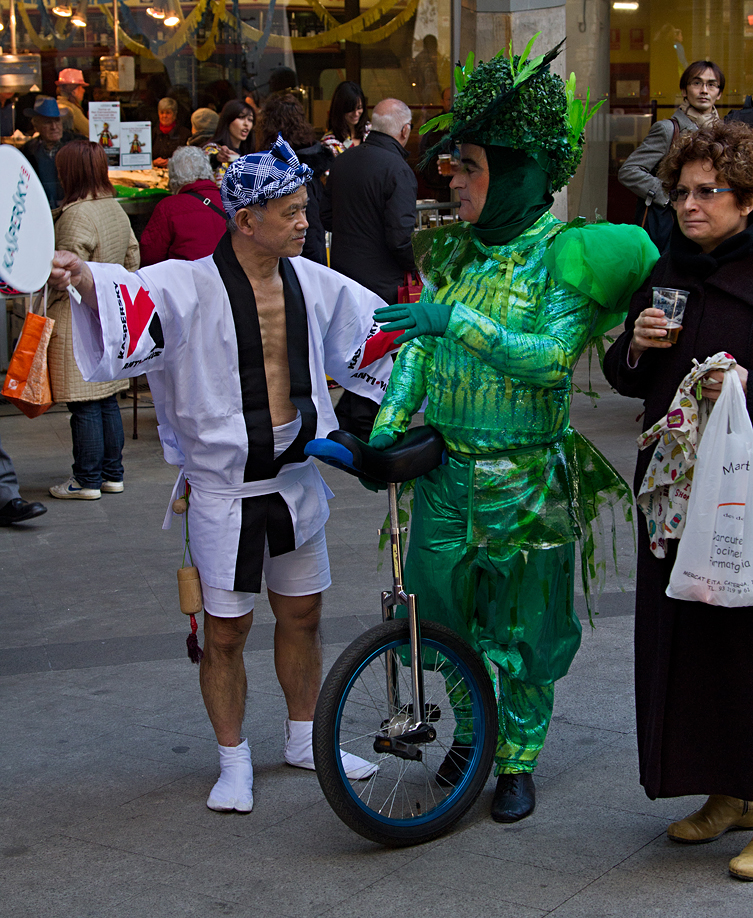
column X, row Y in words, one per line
column 693, row 676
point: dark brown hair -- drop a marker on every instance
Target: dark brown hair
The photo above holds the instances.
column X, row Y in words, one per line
column 345, row 99
column 82, row 167
column 696, row 69
column 729, row 147
column 283, row 114
column 230, row 111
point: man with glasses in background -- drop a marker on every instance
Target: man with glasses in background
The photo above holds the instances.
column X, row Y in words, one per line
column 701, row 85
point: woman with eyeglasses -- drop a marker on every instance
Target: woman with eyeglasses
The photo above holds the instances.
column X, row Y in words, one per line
column 701, row 85
column 693, row 675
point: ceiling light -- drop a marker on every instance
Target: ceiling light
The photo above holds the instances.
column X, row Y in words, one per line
column 157, row 10
column 624, row 6
column 79, row 17
column 62, row 9
column 172, row 17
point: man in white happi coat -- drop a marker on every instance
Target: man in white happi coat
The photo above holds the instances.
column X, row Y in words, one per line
column 236, row 347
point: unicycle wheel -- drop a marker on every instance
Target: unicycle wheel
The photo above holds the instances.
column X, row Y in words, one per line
column 363, row 707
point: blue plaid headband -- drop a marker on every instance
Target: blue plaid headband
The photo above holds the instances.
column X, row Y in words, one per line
column 260, row 177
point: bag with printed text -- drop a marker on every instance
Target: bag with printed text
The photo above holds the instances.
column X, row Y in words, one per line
column 716, row 549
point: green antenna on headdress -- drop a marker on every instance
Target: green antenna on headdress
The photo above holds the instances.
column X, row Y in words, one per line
column 578, row 114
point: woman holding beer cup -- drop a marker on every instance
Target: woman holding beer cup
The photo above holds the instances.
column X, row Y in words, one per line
column 693, row 676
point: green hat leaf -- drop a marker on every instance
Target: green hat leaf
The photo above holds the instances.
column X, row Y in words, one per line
column 578, row 112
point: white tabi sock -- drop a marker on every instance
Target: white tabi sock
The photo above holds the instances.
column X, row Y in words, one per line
column 299, row 751
column 234, row 788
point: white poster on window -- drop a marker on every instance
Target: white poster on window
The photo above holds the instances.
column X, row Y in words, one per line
column 136, row 145
column 104, row 128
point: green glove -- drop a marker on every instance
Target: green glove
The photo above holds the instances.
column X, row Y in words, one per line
column 382, row 441
column 416, row 318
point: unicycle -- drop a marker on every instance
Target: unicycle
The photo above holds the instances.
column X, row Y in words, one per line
column 408, row 695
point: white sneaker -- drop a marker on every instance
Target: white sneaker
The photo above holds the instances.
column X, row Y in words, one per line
column 72, row 490
column 111, row 487
column 234, row 787
column 299, row 752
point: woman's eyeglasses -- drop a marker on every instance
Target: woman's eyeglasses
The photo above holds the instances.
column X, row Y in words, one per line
column 700, row 194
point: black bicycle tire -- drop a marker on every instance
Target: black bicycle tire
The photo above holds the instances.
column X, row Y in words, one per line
column 326, row 744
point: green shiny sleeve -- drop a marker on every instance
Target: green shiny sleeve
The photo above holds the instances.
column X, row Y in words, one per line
column 604, row 261
column 541, row 359
column 406, row 389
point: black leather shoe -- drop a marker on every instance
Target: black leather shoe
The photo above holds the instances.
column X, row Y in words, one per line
column 19, row 510
column 453, row 767
column 514, row 798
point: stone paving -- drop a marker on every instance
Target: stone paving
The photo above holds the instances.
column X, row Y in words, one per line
column 106, row 754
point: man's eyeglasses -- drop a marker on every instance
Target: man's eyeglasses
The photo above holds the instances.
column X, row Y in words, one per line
column 699, row 84
column 700, row 194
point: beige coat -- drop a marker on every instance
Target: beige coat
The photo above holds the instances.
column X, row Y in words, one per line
column 95, row 230
column 73, row 115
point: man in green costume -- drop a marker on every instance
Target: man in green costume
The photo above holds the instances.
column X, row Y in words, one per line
column 512, row 297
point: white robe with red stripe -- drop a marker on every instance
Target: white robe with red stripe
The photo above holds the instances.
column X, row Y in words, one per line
column 190, row 355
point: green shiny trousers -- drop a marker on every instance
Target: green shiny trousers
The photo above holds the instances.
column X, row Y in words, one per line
column 513, row 605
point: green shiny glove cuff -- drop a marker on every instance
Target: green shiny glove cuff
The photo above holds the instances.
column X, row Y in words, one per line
column 416, row 318
column 382, row 441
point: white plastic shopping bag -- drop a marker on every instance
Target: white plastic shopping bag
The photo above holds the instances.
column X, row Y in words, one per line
column 716, row 549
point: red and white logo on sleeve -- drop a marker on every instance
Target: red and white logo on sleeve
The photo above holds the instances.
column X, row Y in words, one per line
column 139, row 317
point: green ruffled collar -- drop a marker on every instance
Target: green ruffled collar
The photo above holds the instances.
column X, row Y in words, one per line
column 442, row 254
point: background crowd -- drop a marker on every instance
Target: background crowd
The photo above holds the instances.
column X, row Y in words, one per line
column 367, row 204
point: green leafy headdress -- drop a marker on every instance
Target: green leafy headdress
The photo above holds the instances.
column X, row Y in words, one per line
column 515, row 102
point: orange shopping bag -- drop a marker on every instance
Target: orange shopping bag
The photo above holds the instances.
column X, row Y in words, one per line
column 27, row 383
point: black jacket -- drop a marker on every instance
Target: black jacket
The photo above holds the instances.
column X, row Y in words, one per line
column 319, row 159
column 164, row 145
column 370, row 207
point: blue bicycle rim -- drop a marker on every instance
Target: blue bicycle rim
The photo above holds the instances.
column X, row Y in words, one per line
column 479, row 732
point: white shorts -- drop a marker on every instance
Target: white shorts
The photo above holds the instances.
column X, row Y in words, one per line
column 301, row 572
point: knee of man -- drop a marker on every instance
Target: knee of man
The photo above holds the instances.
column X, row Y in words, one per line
column 301, row 612
column 225, row 635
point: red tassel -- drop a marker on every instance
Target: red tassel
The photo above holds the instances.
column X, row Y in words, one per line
column 195, row 653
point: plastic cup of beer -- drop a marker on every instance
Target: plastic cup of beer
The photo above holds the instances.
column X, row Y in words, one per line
column 444, row 163
column 672, row 302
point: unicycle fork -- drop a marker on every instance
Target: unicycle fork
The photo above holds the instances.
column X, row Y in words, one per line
column 407, row 726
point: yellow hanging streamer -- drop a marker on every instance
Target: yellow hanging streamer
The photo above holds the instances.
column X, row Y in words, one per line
column 355, row 30
column 44, row 44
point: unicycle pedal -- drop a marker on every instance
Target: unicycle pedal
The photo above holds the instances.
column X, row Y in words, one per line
column 389, row 745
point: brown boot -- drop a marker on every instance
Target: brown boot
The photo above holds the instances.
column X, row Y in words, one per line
column 717, row 815
column 742, row 865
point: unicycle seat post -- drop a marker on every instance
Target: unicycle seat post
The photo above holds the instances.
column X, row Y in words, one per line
column 400, row 597
column 395, row 541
